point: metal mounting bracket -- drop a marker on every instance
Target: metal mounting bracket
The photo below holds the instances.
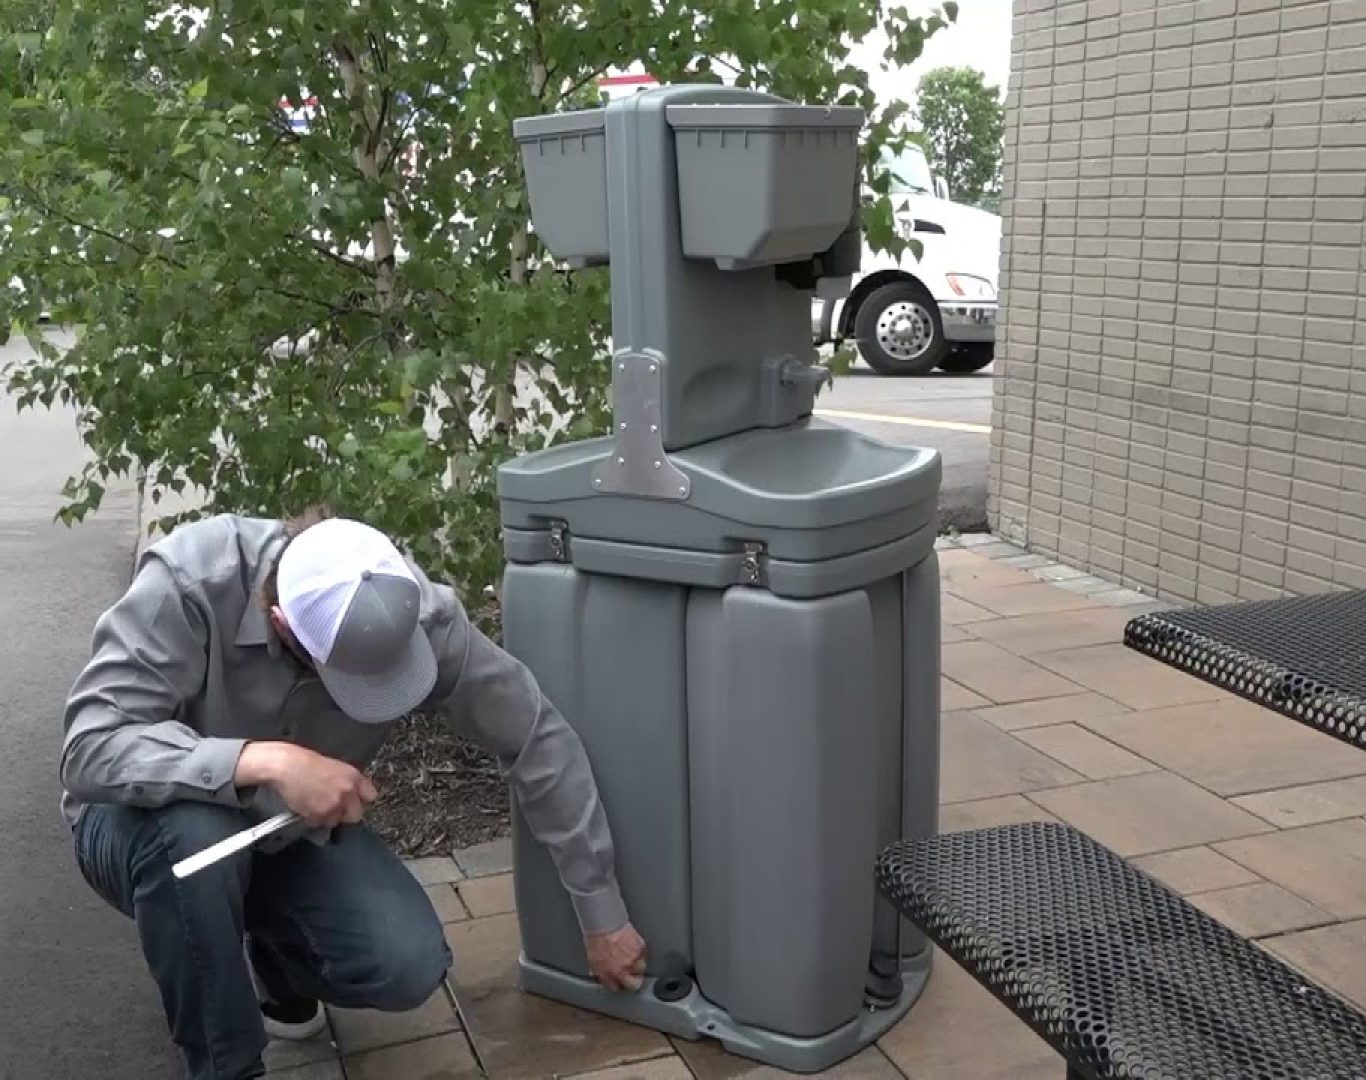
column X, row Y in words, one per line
column 638, row 465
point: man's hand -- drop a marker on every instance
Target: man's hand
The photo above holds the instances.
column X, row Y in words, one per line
column 321, row 790
column 617, row 960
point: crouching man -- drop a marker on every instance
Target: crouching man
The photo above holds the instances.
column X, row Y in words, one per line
column 257, row 665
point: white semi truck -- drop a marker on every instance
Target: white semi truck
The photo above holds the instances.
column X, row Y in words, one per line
column 912, row 315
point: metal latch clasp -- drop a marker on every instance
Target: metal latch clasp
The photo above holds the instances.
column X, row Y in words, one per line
column 751, row 565
column 559, row 541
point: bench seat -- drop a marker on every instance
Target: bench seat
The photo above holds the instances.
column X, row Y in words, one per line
column 1121, row 975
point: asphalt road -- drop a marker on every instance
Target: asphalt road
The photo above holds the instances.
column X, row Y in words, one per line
column 951, row 413
column 75, row 1000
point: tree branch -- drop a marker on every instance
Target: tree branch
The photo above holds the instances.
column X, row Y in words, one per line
column 539, row 71
column 396, row 147
column 53, row 211
column 325, row 251
column 377, row 135
column 579, row 84
column 367, row 146
column 376, row 51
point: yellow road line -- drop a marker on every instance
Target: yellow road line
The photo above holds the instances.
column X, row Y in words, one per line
column 905, row 421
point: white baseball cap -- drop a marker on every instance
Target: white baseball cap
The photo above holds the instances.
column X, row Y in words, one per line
column 353, row 603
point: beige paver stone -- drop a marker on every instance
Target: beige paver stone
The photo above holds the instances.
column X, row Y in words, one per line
column 434, row 869
column 1325, row 864
column 1333, row 956
column 958, row 1031
column 1000, row 676
column 1232, row 747
column 445, row 1057
column 1156, row 811
column 489, row 896
column 1074, row 708
column 988, row 813
column 950, row 634
column 521, row 1035
column 957, row 612
column 366, row 1029
column 966, row 569
column 953, row 697
column 1195, row 870
column 709, row 1061
column 664, row 1068
column 1124, row 675
column 1028, row 635
column 1261, row 909
column 980, row 761
column 1033, row 599
column 317, row 1070
column 446, row 901
column 1309, row 804
column 1084, row 751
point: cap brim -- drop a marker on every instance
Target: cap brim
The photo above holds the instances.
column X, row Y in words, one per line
column 381, row 697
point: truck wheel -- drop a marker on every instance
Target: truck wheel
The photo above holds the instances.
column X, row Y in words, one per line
column 969, row 357
column 899, row 331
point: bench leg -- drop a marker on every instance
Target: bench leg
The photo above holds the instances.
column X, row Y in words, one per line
column 1074, row 1074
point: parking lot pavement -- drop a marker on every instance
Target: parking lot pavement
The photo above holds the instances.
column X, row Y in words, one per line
column 951, row 413
column 75, row 1000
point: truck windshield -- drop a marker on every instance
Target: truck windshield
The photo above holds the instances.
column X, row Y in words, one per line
column 910, row 171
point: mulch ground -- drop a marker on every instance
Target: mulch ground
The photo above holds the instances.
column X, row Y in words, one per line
column 437, row 792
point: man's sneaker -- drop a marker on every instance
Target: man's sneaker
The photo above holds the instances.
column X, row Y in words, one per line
column 298, row 1018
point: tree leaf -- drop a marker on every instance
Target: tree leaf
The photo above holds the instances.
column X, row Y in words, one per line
column 963, row 126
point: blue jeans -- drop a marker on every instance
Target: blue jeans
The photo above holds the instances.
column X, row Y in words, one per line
column 344, row 923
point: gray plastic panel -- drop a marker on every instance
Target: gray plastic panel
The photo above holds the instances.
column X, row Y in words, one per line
column 889, row 649
column 763, row 184
column 712, row 330
column 783, row 739
column 564, row 158
column 810, row 491
column 921, row 720
column 717, row 570
column 610, row 653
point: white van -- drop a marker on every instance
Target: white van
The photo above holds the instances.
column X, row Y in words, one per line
column 910, row 316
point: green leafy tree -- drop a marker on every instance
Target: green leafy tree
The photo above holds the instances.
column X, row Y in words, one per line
column 963, row 123
column 294, row 241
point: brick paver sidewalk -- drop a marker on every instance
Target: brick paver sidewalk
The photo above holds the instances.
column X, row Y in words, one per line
column 1046, row 715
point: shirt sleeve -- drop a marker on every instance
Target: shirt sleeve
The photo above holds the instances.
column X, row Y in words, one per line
column 124, row 740
column 493, row 699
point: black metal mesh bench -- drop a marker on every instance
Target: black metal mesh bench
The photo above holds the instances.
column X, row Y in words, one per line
column 1304, row 656
column 1119, row 974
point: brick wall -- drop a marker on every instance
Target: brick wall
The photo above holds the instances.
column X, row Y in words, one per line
column 1180, row 397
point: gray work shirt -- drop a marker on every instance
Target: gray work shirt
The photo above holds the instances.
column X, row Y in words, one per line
column 186, row 668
